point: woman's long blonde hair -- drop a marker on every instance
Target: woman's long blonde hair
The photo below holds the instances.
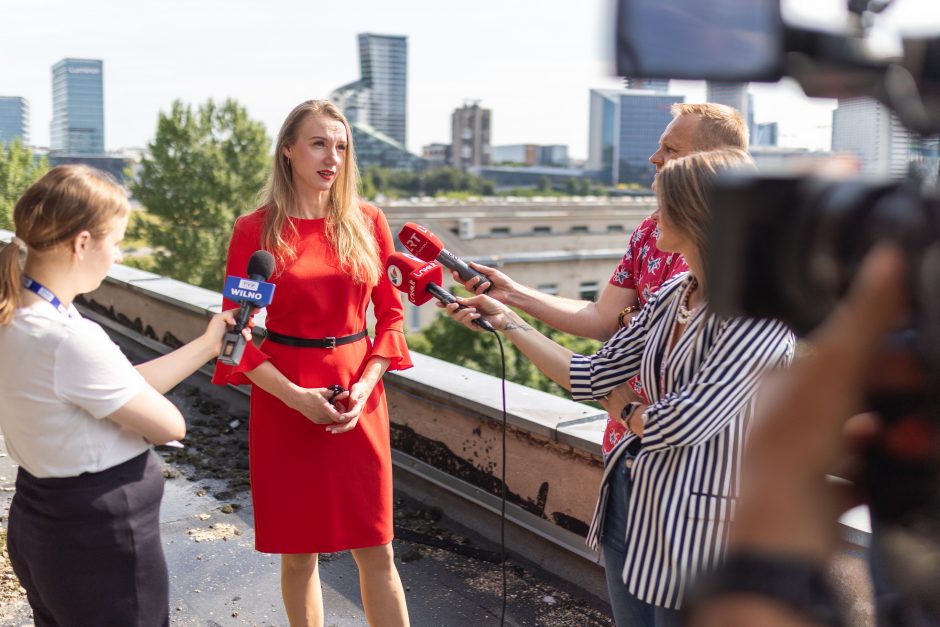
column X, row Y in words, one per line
column 348, row 232
column 69, row 199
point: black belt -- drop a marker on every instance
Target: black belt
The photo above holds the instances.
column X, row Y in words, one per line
column 325, row 342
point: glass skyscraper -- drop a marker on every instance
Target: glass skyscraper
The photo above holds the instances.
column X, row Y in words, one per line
column 383, row 61
column 625, row 127
column 77, row 107
column 379, row 98
column 14, row 119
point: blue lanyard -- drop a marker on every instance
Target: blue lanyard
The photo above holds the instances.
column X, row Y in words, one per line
column 45, row 293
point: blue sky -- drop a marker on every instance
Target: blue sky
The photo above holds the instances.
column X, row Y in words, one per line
column 531, row 61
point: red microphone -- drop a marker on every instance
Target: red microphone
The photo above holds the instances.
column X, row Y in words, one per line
column 423, row 244
column 421, row 281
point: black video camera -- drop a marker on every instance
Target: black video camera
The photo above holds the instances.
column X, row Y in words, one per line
column 787, row 246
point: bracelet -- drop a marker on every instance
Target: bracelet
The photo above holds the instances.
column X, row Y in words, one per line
column 626, row 311
column 794, row 582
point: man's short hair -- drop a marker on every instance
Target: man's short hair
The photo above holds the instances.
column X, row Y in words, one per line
column 719, row 125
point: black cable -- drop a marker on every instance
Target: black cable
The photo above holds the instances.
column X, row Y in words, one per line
column 502, row 517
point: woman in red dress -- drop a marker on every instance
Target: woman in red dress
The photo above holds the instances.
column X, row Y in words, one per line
column 321, row 469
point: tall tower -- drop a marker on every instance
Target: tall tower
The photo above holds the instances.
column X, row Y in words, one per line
column 470, row 136
column 383, row 61
column 77, row 107
column 14, row 119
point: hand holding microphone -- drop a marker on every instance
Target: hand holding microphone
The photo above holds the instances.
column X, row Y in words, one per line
column 421, row 282
column 424, row 245
column 251, row 294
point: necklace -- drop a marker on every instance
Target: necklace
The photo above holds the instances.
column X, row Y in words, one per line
column 685, row 313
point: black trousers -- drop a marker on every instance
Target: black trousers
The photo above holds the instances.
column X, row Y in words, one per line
column 87, row 548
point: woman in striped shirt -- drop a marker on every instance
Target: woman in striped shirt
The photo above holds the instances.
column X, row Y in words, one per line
column 701, row 374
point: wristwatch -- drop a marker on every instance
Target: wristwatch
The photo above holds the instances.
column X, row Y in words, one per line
column 628, row 410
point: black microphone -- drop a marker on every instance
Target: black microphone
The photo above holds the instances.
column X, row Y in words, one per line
column 260, row 268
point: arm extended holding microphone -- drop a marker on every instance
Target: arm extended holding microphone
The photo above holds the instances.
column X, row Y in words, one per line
column 551, row 358
column 420, row 281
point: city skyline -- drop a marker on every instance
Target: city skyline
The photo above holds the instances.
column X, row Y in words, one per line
column 532, row 65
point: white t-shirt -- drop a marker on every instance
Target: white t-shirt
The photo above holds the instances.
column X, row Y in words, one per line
column 59, row 379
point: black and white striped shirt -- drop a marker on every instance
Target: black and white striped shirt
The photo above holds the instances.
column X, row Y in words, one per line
column 687, row 474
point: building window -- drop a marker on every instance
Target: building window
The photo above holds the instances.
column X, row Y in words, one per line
column 615, row 228
column 499, row 230
column 588, row 290
column 579, row 228
column 548, row 288
column 542, row 230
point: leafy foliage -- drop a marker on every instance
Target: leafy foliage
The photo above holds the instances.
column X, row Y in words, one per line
column 18, row 170
column 203, row 169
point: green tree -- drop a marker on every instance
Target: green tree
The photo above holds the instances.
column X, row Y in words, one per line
column 18, row 170
column 203, row 169
column 442, row 180
column 545, row 184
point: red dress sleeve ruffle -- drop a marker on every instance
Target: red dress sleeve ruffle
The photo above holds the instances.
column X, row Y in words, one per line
column 386, row 302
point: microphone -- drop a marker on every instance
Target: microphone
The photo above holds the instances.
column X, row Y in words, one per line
column 251, row 293
column 421, row 281
column 423, row 244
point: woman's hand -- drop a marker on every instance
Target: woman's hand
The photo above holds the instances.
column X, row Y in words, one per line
column 218, row 325
column 503, row 286
column 466, row 310
column 314, row 404
column 355, row 399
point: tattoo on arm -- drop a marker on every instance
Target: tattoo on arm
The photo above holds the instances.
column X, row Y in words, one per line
column 522, row 326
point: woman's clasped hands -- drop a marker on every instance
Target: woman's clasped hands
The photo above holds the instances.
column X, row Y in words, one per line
column 323, row 406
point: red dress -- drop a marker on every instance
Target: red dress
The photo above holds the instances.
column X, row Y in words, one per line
column 315, row 492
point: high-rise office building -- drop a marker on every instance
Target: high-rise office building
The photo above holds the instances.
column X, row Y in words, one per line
column 766, row 135
column 380, row 97
column 470, row 134
column 14, row 119
column 437, row 155
column 378, row 149
column 731, row 94
column 866, row 128
column 77, row 107
column 625, row 126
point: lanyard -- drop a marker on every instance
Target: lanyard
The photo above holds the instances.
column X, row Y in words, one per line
column 45, row 293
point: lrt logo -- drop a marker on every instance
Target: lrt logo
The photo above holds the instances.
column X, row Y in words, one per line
column 394, row 275
column 414, row 243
